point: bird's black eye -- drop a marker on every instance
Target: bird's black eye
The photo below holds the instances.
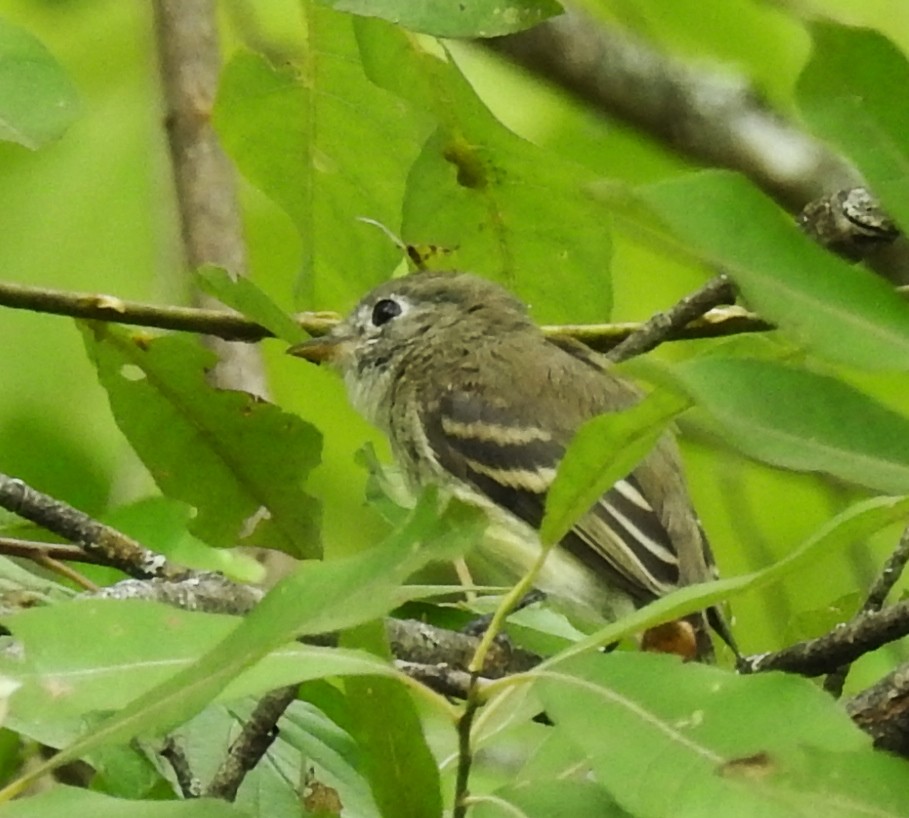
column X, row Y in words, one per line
column 384, row 311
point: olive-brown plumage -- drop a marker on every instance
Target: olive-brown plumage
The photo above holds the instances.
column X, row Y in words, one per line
column 476, row 399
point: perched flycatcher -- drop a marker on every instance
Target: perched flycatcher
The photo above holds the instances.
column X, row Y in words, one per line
column 475, row 399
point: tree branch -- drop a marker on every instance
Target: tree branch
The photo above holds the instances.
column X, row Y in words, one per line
column 190, row 63
column 846, row 643
column 877, row 595
column 114, row 547
column 711, row 116
column 258, row 734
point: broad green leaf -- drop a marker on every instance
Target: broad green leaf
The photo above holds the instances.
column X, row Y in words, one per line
column 479, row 18
column 65, row 802
column 38, row 101
column 668, row 739
column 838, row 310
column 397, row 761
column 797, row 419
column 602, row 452
column 97, row 655
column 487, row 200
column 330, row 148
column 548, row 799
column 232, row 456
column 318, row 597
column 245, row 297
column 849, row 93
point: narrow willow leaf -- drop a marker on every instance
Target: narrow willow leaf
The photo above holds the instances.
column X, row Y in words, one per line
column 837, row 310
column 245, row 297
column 479, row 18
column 38, row 100
column 232, row 456
column 847, row 94
column 791, row 417
column 602, row 452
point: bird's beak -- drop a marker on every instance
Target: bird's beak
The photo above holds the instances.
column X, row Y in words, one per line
column 323, row 350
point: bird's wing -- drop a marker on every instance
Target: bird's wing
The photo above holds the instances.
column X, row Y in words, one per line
column 512, row 462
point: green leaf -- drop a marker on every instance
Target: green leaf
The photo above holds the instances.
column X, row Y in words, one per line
column 330, row 148
column 549, row 799
column 401, row 769
column 668, row 739
column 65, row 802
column 603, row 451
column 838, row 310
column 229, row 454
column 38, row 101
column 479, row 18
column 245, row 297
column 318, row 597
column 848, row 93
column 487, row 200
column 99, row 655
column 797, row 419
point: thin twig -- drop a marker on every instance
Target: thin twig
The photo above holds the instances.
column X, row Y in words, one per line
column 39, row 551
column 65, row 571
column 234, row 327
column 877, row 595
column 173, row 752
column 109, row 544
column 664, row 325
column 713, row 116
column 257, row 735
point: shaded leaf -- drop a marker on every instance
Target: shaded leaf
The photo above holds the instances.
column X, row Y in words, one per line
column 838, row 310
column 232, row 456
column 478, row 18
column 38, row 101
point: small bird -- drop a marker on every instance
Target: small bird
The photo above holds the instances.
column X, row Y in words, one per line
column 475, row 399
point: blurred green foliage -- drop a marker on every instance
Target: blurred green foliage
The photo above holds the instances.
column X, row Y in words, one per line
column 304, row 118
